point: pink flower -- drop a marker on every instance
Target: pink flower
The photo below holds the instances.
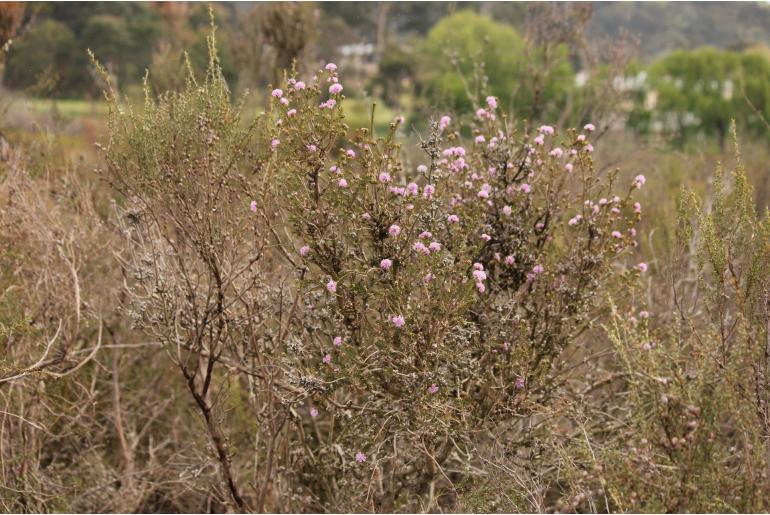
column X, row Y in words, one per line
column 589, row 127
column 394, row 230
column 539, row 140
column 480, row 139
column 420, row 247
column 545, row 129
column 644, row 315
column 642, row 267
column 639, row 181
column 338, row 341
column 616, row 234
column 492, row 103
column 556, row 152
column 637, row 208
column 509, row 260
column 312, row 148
column 350, row 153
column 335, row 89
column 506, row 346
column 386, row 263
column 384, row 177
column 313, row 412
column 428, row 277
column 581, row 137
column 342, row 183
column 277, row 93
column 398, row 321
column 453, row 219
column 299, row 86
column 327, row 358
column 483, row 194
column 486, row 237
column 434, row 246
column 428, row 191
column 360, row 457
column 331, row 67
column 291, row 112
column 568, row 167
column 519, row 384
column 331, row 286
column 433, row 388
column 507, row 210
column 589, row 148
column 481, row 287
column 526, row 188
column 274, row 144
column 479, row 275
column 537, row 269
column 284, row 101
column 422, row 169
column 304, row 250
column 253, row 206
column 444, row 122
column 482, row 113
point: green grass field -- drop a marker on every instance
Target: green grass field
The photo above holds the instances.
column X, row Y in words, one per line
column 67, row 108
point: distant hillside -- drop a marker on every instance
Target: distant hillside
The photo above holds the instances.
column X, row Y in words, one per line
column 664, row 26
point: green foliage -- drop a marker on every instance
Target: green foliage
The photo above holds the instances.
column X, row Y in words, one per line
column 465, row 48
column 48, row 49
column 695, row 415
column 698, row 92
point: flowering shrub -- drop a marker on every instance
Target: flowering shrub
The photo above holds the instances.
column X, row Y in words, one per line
column 435, row 295
column 429, row 300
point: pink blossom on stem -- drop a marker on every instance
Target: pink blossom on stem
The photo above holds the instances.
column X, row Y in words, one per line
column 394, row 230
column 386, row 263
column 398, row 321
column 331, row 286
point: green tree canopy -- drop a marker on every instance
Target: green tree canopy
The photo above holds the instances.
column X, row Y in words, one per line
column 471, row 54
column 49, row 50
column 698, row 92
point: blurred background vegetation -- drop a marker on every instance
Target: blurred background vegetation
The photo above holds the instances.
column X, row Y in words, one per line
column 673, row 72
